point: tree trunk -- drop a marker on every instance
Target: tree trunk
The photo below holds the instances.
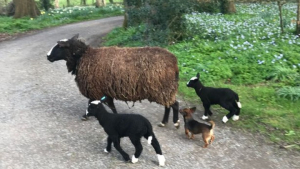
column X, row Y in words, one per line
column 26, row 8
column 298, row 19
column 100, row 3
column 83, row 2
column 280, row 15
column 56, row 3
column 68, row 3
column 227, row 6
column 111, row 1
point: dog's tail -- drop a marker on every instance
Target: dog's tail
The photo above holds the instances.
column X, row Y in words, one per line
column 212, row 124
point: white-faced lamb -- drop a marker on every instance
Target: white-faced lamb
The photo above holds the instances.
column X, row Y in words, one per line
column 117, row 126
column 127, row 74
column 225, row 97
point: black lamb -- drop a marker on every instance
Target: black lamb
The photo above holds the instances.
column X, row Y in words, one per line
column 225, row 97
column 117, row 126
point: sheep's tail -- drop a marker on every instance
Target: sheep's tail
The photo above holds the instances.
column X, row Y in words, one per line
column 238, row 103
column 212, row 124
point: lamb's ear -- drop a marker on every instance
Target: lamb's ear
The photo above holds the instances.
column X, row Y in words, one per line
column 63, row 43
column 193, row 109
column 75, row 37
column 198, row 75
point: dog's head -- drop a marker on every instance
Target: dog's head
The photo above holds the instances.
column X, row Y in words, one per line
column 187, row 112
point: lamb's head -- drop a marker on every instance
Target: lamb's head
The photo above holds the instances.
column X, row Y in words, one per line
column 195, row 82
column 67, row 49
column 93, row 108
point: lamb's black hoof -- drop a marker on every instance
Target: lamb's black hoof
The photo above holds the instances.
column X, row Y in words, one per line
column 84, row 118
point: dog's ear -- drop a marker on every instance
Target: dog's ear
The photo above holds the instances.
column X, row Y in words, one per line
column 193, row 109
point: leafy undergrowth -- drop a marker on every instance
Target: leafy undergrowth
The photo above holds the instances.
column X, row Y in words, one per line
column 245, row 52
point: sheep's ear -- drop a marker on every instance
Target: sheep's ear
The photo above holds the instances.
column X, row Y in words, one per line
column 63, row 43
column 198, row 75
column 75, row 37
column 193, row 109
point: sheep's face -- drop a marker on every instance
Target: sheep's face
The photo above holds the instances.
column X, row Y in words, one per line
column 60, row 51
column 194, row 81
column 92, row 108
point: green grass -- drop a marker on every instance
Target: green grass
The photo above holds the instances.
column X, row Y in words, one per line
column 57, row 17
column 247, row 53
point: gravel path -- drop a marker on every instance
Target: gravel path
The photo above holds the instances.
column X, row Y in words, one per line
column 40, row 126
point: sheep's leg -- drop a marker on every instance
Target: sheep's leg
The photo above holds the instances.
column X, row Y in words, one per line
column 138, row 148
column 110, row 102
column 117, row 145
column 175, row 108
column 166, row 117
column 156, row 146
column 108, row 147
column 85, row 117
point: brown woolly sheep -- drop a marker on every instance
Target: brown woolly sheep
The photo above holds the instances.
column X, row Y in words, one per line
column 127, row 74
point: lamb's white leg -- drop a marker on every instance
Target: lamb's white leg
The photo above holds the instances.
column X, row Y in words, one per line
column 161, row 160
column 235, row 117
column 225, row 119
column 134, row 160
column 204, row 117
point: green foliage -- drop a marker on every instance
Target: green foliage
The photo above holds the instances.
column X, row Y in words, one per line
column 163, row 19
column 57, row 17
column 247, row 53
column 291, row 93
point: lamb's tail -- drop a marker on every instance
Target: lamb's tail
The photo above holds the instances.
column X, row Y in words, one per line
column 149, row 135
column 238, row 103
column 212, row 124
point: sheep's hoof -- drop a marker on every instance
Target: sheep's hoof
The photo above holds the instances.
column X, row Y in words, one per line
column 84, row 118
column 177, row 124
column 161, row 124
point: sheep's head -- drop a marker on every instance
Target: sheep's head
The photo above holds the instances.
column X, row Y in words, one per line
column 194, row 82
column 93, row 108
column 67, row 49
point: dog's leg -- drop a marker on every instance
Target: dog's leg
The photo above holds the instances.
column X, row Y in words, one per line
column 192, row 136
column 187, row 133
column 212, row 139
column 206, row 140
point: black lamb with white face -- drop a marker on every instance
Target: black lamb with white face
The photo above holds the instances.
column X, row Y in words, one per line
column 117, row 126
column 225, row 97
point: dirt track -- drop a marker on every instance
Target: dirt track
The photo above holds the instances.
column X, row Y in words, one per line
column 41, row 106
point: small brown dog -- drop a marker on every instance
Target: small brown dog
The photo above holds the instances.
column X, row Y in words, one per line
column 194, row 127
